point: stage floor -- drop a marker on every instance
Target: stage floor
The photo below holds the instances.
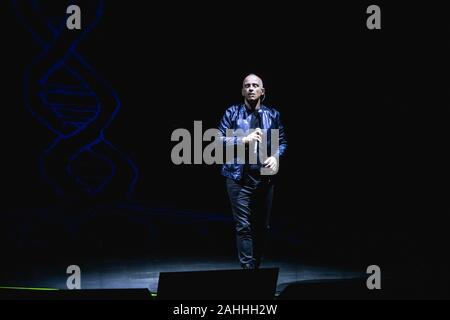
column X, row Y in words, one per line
column 144, row 273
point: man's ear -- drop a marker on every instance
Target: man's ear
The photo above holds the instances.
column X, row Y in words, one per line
column 243, row 92
column 263, row 94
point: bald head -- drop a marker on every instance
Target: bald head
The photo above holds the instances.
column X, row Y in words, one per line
column 253, row 78
column 252, row 88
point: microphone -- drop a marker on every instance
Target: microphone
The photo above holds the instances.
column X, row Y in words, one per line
column 256, row 144
column 258, row 121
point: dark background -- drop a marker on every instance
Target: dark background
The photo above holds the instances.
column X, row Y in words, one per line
column 363, row 110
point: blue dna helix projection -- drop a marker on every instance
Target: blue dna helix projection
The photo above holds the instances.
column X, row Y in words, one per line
column 66, row 94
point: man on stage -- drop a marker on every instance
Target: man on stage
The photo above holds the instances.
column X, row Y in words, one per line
column 250, row 179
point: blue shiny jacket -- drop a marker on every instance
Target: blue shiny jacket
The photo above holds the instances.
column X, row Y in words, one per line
column 235, row 118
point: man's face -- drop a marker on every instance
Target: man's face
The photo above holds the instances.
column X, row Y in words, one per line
column 252, row 88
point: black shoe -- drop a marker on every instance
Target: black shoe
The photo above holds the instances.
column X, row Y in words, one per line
column 248, row 266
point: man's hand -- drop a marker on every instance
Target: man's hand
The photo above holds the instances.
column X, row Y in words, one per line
column 272, row 163
column 254, row 136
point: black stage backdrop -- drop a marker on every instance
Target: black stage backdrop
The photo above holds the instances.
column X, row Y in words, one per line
column 360, row 183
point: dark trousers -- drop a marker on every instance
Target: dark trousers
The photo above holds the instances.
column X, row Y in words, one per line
column 251, row 204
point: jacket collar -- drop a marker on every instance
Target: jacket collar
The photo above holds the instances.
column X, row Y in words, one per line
column 262, row 107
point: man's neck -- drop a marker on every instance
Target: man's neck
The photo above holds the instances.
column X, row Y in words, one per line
column 252, row 106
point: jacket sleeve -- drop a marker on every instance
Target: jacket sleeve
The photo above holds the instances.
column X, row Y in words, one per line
column 282, row 146
column 226, row 125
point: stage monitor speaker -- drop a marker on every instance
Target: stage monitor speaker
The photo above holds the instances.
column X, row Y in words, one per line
column 94, row 294
column 354, row 289
column 218, row 285
column 326, row 289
